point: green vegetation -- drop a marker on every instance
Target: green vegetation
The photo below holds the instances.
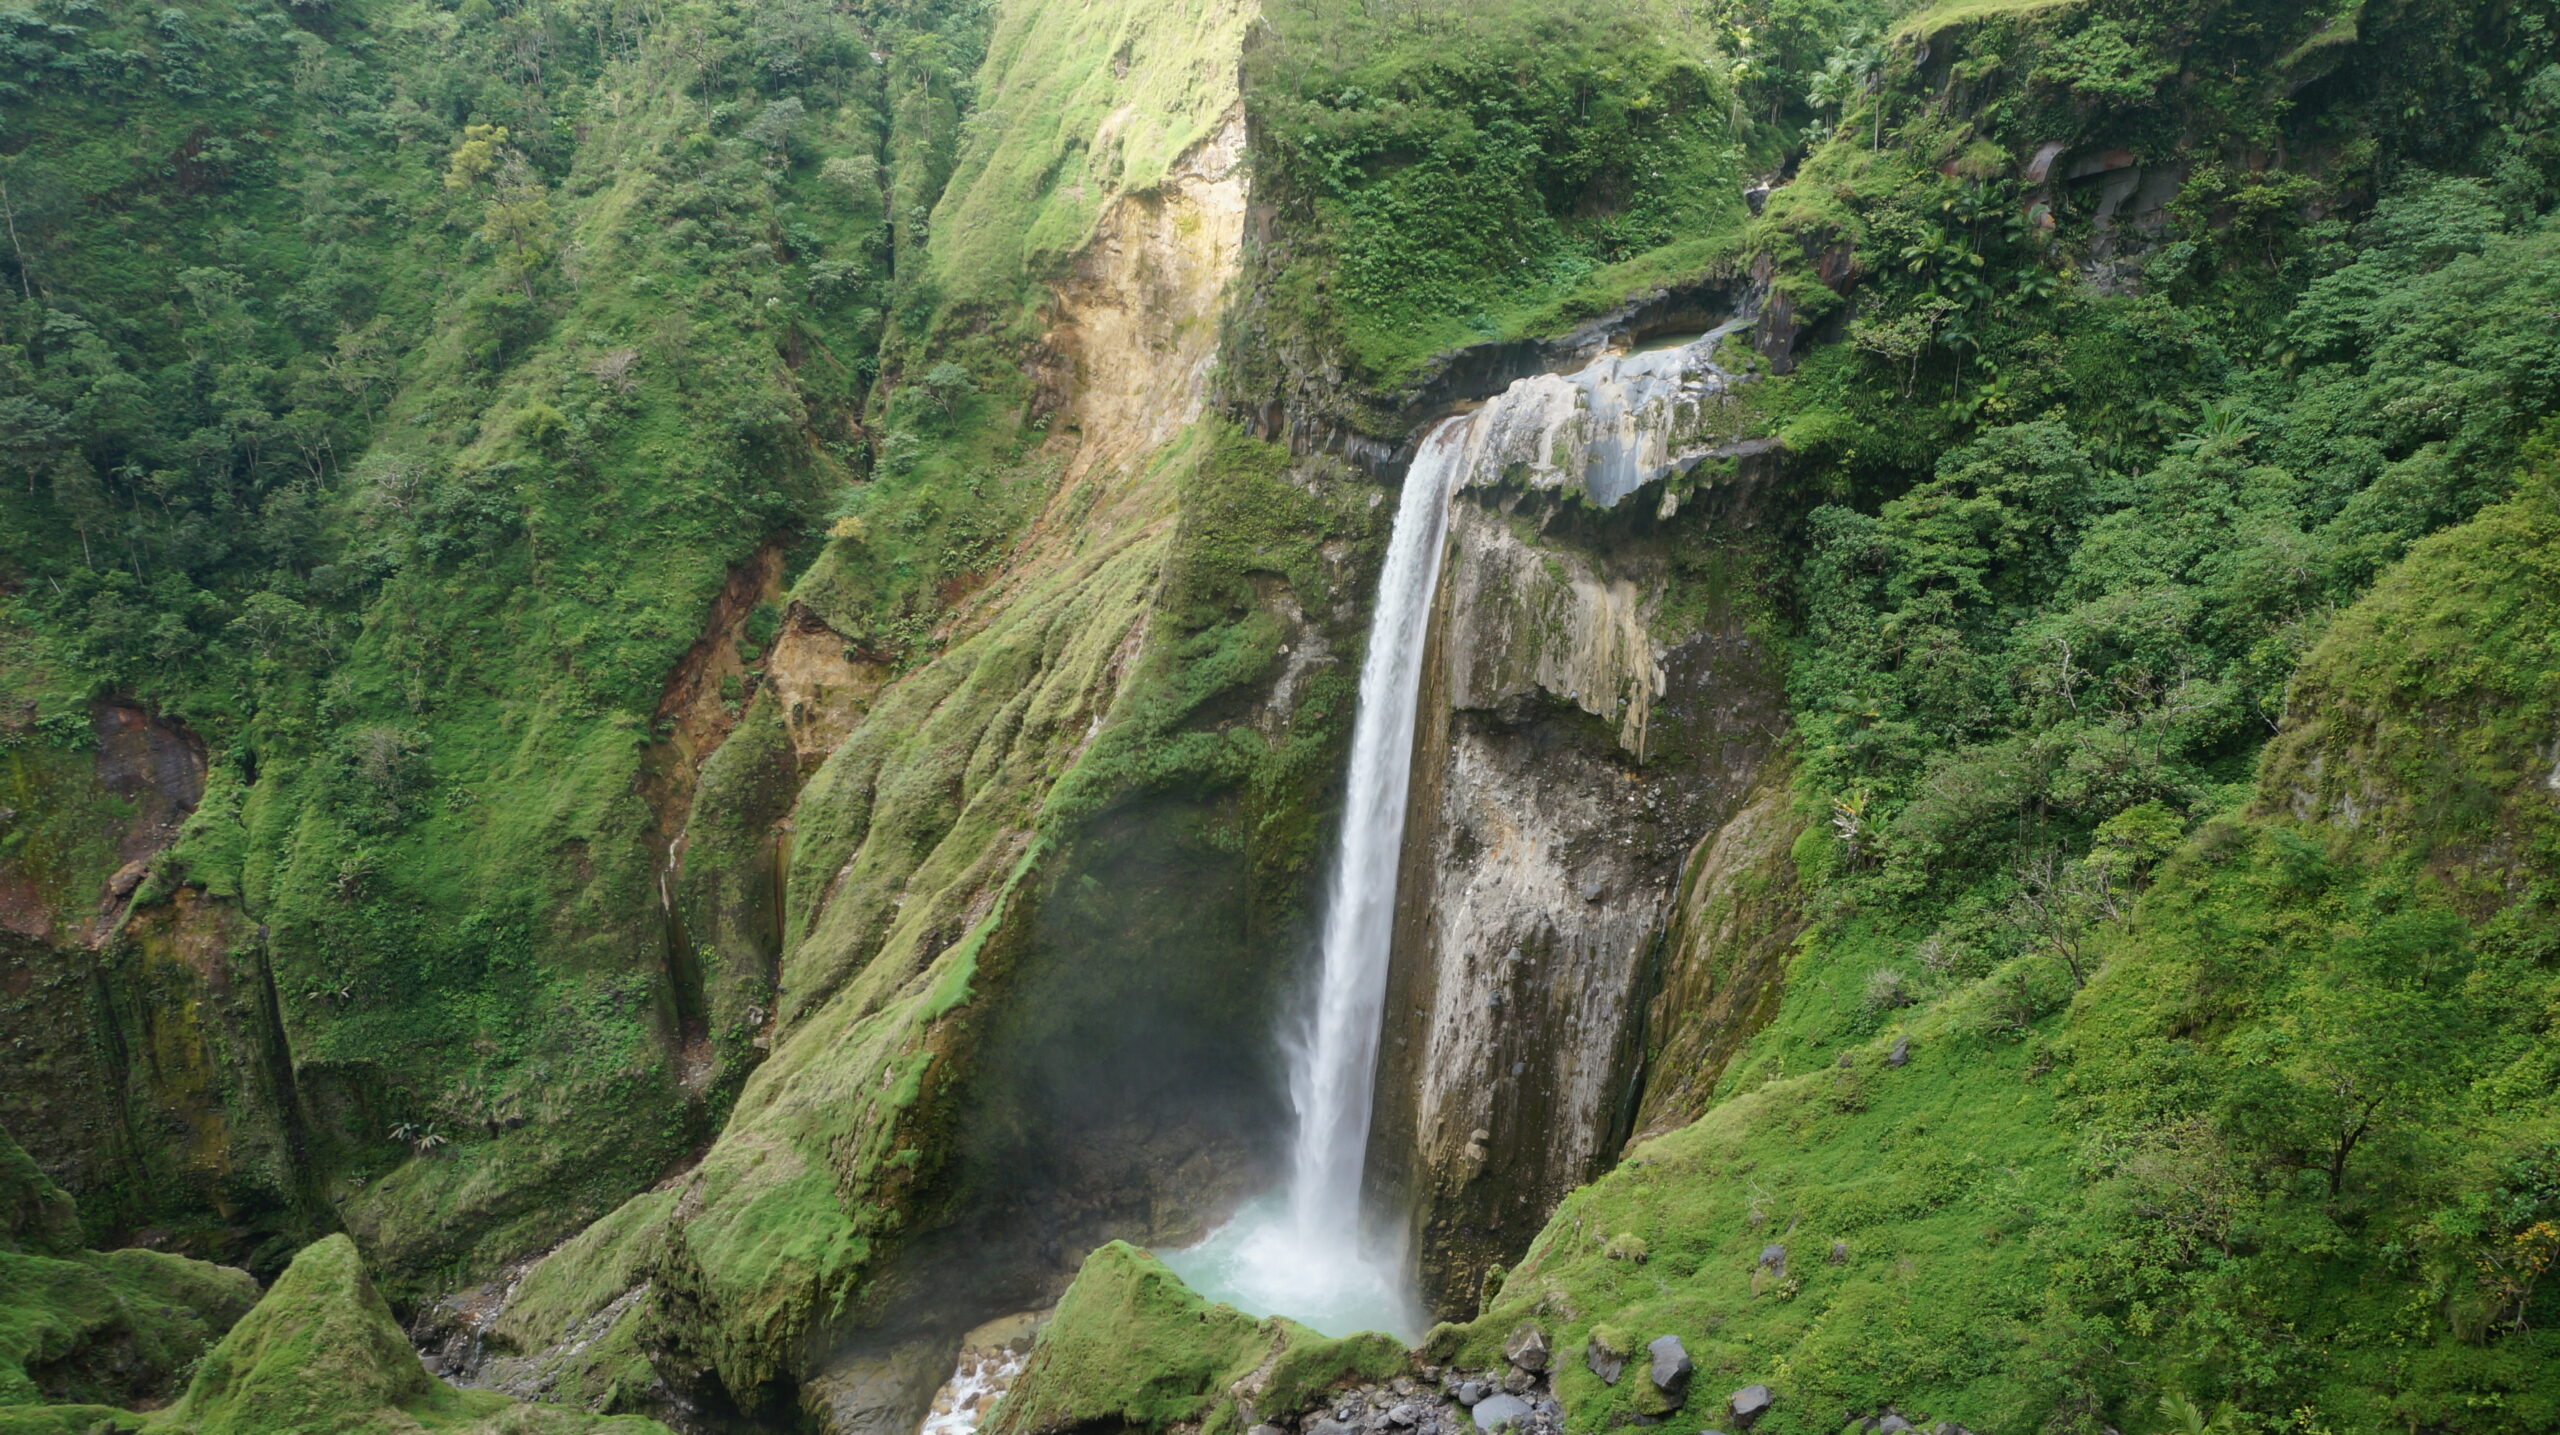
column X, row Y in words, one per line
column 1463, row 172
column 85, row 1332
column 88, row 1328
column 2288, row 1154
column 320, row 1352
column 2229, row 1062
column 401, row 399
column 1081, row 106
column 491, row 343
column 1131, row 1346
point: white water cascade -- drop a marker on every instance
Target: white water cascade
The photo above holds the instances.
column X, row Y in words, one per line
column 1305, row 1252
column 1624, row 420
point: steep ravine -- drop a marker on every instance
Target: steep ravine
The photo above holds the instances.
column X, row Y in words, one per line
column 968, row 949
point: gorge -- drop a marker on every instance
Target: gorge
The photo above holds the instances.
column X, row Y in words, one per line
column 1279, row 717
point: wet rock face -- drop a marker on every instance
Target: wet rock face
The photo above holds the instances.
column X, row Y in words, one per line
column 1576, row 743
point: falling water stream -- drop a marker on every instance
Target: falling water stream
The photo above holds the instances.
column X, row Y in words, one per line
column 1305, row 1250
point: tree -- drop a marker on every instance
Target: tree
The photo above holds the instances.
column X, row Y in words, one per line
column 2350, row 1050
column 518, row 222
column 476, row 157
column 516, row 217
column 947, row 383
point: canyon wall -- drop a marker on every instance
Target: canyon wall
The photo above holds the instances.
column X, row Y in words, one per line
column 1600, row 702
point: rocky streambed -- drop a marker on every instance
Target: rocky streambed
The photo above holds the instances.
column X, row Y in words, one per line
column 1518, row 1396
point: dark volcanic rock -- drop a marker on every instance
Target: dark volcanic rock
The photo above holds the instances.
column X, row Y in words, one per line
column 1671, row 1365
column 1527, row 1348
column 1604, row 1362
column 1750, row 1403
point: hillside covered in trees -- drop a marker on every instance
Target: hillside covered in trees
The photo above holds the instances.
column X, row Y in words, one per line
column 679, row 683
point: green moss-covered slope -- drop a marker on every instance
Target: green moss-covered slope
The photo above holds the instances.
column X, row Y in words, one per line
column 320, row 1352
column 1131, row 1347
column 506, row 338
column 94, row 1328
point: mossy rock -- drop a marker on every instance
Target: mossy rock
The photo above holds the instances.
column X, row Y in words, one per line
column 37, row 1217
column 1132, row 1347
column 111, row 1327
column 322, row 1353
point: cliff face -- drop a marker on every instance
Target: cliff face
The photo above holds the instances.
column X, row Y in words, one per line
column 1590, row 716
column 1723, row 958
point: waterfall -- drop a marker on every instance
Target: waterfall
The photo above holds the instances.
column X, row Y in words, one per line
column 1306, row 1254
column 1334, row 1068
column 1622, row 421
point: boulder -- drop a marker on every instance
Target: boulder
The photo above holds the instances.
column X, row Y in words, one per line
column 1527, row 1348
column 1470, row 1391
column 1893, row 1424
column 1839, row 1253
column 1773, row 1259
column 1901, row 1052
column 1671, row 1366
column 1604, row 1362
column 1495, row 1412
column 1750, row 1403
